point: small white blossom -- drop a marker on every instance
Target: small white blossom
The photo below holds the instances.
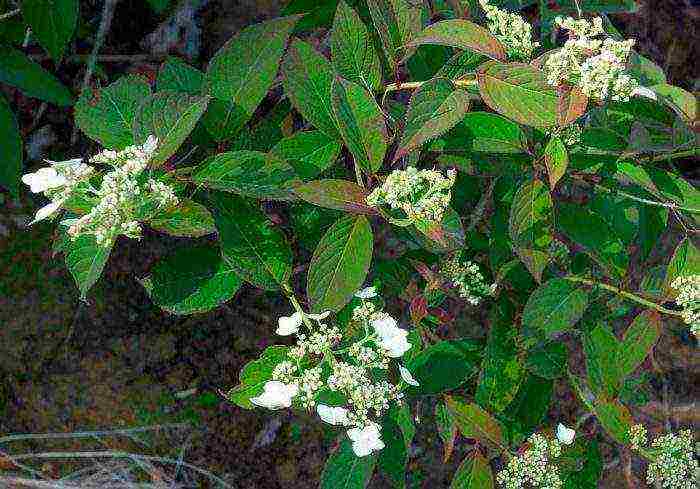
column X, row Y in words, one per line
column 287, row 325
column 337, row 416
column 638, row 437
column 366, row 293
column 407, row 377
column 319, row 317
column 392, row 338
column 48, row 210
column 688, row 299
column 44, row 179
column 276, row 395
column 533, row 468
column 675, row 466
column 514, row 32
column 366, row 440
column 565, row 435
column 468, row 279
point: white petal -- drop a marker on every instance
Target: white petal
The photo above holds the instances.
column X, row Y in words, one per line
column 565, row 435
column 366, row 440
column 320, row 317
column 644, row 92
column 276, row 395
column 46, row 211
column 287, row 325
column 332, row 415
column 43, row 179
column 407, row 377
column 366, row 293
column 150, row 145
column 385, row 326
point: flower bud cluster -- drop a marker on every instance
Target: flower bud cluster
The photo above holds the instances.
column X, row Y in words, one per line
column 534, row 468
column 688, row 298
column 422, row 194
column 673, row 464
column 514, row 32
column 467, row 279
column 357, row 374
column 597, row 66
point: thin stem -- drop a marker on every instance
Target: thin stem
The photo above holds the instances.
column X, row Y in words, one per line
column 624, row 293
column 358, row 174
column 297, row 308
column 680, row 154
column 392, row 87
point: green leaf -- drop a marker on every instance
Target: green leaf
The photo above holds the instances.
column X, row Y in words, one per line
column 589, row 468
column 53, row 23
column 461, row 34
column 615, row 419
column 502, row 371
column 396, row 22
column 254, row 375
column 243, row 70
column 308, row 78
column 685, row 261
column 446, row 428
column 177, row 76
column 352, row 50
column 341, row 195
column 361, row 124
column 10, row 149
column 547, row 361
column 435, row 108
column 602, row 349
column 17, row 70
column 483, row 132
column 107, row 114
column 652, row 224
column 463, row 63
column 528, row 226
column 521, row 93
column 309, row 152
column 529, row 408
column 170, row 116
column 682, row 101
column 187, row 219
column 556, row 159
column 474, row 422
column 248, row 173
column 256, row 250
column 638, row 341
column 158, row 6
column 193, row 279
column 473, row 473
column 392, row 459
column 85, row 260
column 345, row 470
column 592, row 232
column 447, row 235
column 445, row 365
column 555, row 307
column 645, row 70
column 339, row 264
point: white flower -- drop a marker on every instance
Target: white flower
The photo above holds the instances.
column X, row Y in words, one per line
column 565, row 435
column 644, row 92
column 276, row 395
column 391, row 337
column 150, row 145
column 46, row 211
column 332, row 415
column 320, row 317
column 289, row 324
column 366, row 440
column 366, row 293
column 407, row 377
column 384, row 325
column 44, row 179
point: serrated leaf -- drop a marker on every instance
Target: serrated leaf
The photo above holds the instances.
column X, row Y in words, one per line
column 308, row 78
column 461, row 34
column 361, row 124
column 256, row 250
column 589, row 468
column 53, row 23
column 435, row 108
column 615, row 419
column 392, row 459
column 483, row 132
column 461, row 64
column 447, row 235
column 638, row 341
column 528, row 226
column 248, row 173
column 10, row 149
column 254, row 375
column 340, row 264
column 341, row 195
column 191, row 280
column 682, row 101
column 310, row 153
column 447, row 429
column 473, row 473
column 396, row 22
column 445, row 365
column 602, row 349
column 652, row 224
column 243, row 70
column 177, row 76
column 345, row 470
column 528, row 410
column 352, row 50
column 556, row 159
column 85, row 260
column 521, row 93
column 555, row 307
column 107, row 114
column 548, row 360
column 474, row 422
column 187, row 219
column 684, row 262
column 17, row 70
column 170, row 116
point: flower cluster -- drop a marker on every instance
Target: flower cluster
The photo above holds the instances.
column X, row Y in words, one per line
column 571, row 135
column 355, row 377
column 514, row 32
column 688, row 298
column 467, row 279
column 673, row 465
column 534, row 467
column 597, row 66
column 422, row 194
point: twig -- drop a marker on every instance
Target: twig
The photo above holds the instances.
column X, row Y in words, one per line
column 478, row 212
column 9, row 14
column 105, row 23
column 108, row 58
column 90, row 434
